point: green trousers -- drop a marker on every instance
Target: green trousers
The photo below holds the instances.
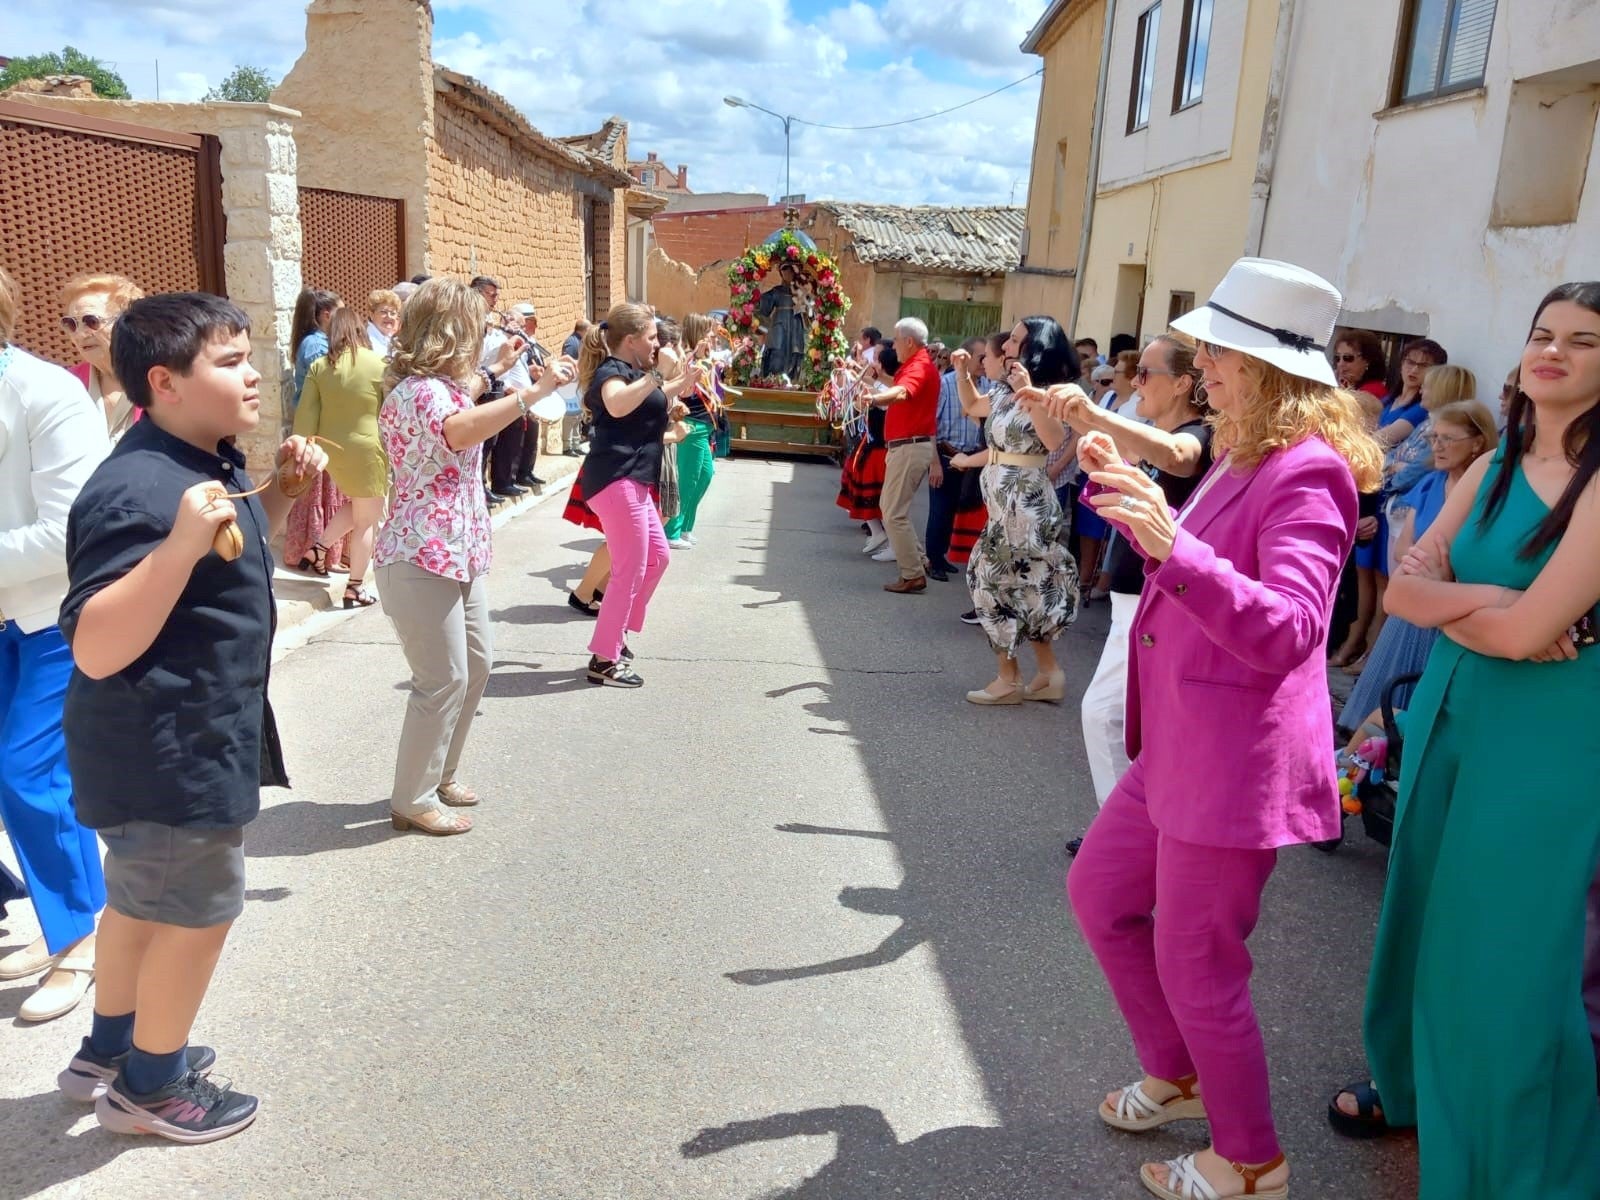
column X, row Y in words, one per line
column 694, row 477
column 1475, row 1025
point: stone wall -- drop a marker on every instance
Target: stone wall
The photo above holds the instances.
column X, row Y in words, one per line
column 364, row 87
column 261, row 205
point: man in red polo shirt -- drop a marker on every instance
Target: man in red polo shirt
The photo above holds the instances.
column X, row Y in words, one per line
column 909, row 427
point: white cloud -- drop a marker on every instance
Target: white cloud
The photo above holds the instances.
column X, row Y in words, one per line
column 665, row 67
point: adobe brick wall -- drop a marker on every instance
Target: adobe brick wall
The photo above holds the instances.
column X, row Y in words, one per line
column 496, row 209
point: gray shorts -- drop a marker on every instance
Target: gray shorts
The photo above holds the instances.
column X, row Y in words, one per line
column 174, row 875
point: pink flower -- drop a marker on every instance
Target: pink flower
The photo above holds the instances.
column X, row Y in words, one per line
column 434, row 556
column 794, row 251
column 446, row 483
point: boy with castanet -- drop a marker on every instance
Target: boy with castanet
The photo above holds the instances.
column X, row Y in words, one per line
column 170, row 738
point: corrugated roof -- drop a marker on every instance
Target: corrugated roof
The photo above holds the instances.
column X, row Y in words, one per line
column 987, row 240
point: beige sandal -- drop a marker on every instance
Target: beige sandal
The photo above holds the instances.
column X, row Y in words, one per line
column 1184, row 1181
column 1135, row 1112
column 456, row 795
column 58, row 999
column 433, row 821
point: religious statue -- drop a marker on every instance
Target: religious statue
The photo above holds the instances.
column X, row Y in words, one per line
column 785, row 311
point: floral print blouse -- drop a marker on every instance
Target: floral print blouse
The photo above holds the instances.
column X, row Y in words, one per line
column 439, row 519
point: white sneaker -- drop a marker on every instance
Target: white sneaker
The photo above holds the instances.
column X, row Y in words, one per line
column 884, row 555
column 679, row 544
column 873, row 542
column 691, row 539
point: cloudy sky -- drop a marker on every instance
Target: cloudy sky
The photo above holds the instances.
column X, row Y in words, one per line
column 665, row 66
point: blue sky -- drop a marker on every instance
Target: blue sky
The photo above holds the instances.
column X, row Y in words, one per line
column 664, row 65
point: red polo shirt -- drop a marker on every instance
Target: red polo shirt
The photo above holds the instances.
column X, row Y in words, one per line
column 918, row 414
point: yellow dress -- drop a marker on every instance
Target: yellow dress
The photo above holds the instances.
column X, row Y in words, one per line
column 340, row 402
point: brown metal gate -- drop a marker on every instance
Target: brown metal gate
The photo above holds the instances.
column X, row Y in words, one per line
column 81, row 195
column 351, row 244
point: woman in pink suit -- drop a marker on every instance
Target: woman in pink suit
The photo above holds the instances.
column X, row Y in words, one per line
column 1227, row 718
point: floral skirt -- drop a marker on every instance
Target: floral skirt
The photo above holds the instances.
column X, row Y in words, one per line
column 308, row 518
column 1023, row 579
column 861, row 482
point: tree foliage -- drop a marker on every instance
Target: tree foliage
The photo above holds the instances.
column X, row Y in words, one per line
column 249, row 85
column 71, row 61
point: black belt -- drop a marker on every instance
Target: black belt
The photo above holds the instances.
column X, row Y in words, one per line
column 908, row 441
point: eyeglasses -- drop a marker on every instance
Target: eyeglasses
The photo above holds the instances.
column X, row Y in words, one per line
column 1214, row 349
column 1346, row 358
column 1141, row 374
column 89, row 321
column 1445, row 439
column 1421, row 364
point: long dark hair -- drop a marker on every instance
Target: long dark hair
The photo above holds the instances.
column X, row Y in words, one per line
column 347, row 333
column 308, row 309
column 1048, row 356
column 1581, row 442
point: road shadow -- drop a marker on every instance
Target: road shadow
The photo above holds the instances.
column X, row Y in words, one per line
column 977, row 804
column 303, row 827
column 46, row 1155
column 518, row 680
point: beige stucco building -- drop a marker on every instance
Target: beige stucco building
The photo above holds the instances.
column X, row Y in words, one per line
column 1185, row 114
column 1443, row 193
column 1069, row 37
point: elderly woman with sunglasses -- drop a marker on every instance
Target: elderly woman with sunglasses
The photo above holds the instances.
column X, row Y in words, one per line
column 91, row 305
column 1225, row 667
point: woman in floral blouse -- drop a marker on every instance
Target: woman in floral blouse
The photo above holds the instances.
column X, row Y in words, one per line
column 434, row 549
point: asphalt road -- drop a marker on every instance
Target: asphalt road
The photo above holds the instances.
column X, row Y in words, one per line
column 787, row 922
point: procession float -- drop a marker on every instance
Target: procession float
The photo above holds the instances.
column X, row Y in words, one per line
column 785, row 340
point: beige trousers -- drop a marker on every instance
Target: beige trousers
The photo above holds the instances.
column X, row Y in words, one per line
column 905, row 470
column 444, row 631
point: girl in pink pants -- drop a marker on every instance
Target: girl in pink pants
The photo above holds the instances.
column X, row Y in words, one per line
column 639, row 558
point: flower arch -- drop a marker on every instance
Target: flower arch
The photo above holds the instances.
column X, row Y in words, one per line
column 825, row 340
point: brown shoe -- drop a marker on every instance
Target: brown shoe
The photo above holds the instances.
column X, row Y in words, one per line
column 907, row 587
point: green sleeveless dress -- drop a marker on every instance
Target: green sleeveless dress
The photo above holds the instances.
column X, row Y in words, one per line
column 1475, row 1027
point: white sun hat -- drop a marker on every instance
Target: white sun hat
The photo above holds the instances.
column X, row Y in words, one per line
column 1274, row 311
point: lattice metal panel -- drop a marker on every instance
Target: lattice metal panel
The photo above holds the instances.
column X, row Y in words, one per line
column 74, row 202
column 351, row 244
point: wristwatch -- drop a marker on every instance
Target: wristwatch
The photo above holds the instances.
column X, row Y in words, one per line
column 661, row 380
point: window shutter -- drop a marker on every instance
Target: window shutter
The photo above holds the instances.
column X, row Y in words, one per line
column 1469, row 43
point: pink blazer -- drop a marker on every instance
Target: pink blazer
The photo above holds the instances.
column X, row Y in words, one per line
column 1228, row 708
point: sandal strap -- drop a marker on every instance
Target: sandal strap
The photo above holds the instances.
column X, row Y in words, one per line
column 1134, row 1103
column 1185, row 1181
column 1251, row 1174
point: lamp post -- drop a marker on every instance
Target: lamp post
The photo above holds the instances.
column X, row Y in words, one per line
column 738, row 102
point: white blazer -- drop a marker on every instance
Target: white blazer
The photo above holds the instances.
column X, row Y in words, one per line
column 52, row 437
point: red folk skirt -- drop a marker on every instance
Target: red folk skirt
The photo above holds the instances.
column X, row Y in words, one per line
column 861, row 482
column 971, row 516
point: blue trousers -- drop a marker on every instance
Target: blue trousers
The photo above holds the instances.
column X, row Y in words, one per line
column 60, row 859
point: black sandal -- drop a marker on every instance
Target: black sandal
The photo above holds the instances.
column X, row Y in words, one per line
column 316, row 562
column 1369, row 1121
column 357, row 596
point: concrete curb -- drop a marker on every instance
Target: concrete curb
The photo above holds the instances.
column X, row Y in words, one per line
column 301, row 620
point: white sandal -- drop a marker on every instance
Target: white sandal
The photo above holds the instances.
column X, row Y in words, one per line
column 1135, row 1112
column 1184, row 1181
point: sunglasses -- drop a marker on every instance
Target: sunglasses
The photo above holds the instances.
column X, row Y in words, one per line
column 1214, row 349
column 1347, row 358
column 89, row 321
column 1142, row 374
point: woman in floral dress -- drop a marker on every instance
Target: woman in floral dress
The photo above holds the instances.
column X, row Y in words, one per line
column 1023, row 580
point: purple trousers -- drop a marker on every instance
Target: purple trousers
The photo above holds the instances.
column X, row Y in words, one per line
column 1168, row 921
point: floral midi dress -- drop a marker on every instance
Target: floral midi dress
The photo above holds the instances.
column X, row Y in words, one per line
column 1023, row 579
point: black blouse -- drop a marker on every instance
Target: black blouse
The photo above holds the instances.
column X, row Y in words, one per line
column 627, row 447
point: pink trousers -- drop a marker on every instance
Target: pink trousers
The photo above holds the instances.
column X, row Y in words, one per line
column 639, row 558
column 1168, row 922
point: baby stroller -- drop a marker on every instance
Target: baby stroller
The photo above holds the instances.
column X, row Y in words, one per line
column 1374, row 777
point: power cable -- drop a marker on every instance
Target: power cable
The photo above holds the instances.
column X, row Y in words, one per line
column 925, row 116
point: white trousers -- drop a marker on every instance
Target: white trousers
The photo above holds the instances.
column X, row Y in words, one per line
column 1105, row 703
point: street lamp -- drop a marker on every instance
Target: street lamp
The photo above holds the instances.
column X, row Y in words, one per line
column 738, row 102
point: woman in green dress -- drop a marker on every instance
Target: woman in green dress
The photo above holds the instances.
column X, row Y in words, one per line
column 339, row 403
column 1475, row 1027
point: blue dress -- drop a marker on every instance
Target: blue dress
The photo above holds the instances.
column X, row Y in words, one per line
column 312, row 347
column 1402, row 648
